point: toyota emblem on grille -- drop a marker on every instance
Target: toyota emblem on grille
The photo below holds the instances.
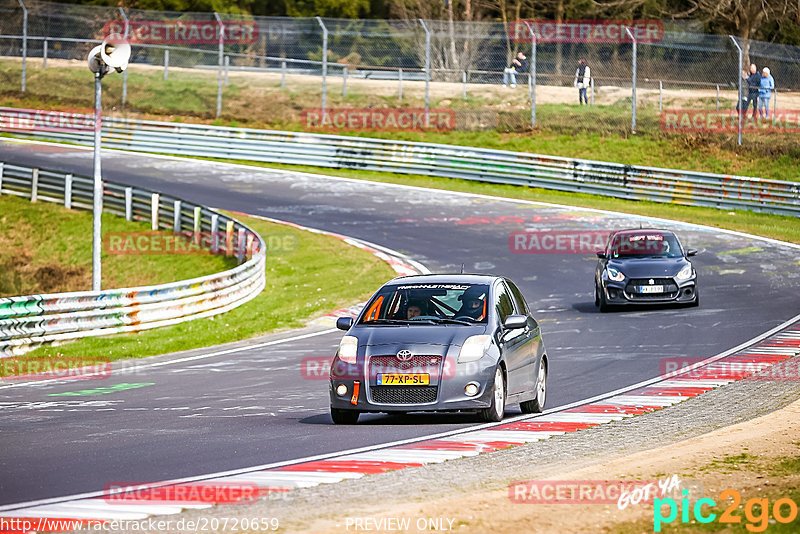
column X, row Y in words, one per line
column 651, row 281
column 404, row 355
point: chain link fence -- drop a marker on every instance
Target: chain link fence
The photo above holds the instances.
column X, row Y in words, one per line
column 393, row 75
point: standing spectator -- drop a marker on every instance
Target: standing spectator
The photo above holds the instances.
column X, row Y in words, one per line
column 583, row 77
column 767, row 85
column 518, row 64
column 750, row 95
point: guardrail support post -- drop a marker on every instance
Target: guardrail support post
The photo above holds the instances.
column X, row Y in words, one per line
column 197, row 222
column 125, row 72
column 1, row 177
column 221, row 61
column 34, row 185
column 176, row 217
column 229, row 238
column 166, row 63
column 739, row 95
column 240, row 249
column 427, row 72
column 128, row 203
column 44, row 55
column 324, row 67
column 633, row 87
column 24, row 41
column 214, row 230
column 154, row 201
column 250, row 239
column 68, row 191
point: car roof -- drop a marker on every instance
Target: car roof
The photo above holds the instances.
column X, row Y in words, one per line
column 634, row 231
column 444, row 279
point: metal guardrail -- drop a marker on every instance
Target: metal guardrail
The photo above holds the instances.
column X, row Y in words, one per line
column 447, row 161
column 29, row 321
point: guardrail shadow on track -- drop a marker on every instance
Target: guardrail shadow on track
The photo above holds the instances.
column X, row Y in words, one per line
column 29, row 321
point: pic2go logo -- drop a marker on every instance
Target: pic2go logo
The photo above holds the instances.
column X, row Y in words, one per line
column 756, row 511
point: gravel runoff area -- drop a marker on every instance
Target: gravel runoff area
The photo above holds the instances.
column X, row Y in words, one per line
column 307, row 508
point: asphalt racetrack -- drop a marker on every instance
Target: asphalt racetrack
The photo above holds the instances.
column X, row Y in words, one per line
column 255, row 407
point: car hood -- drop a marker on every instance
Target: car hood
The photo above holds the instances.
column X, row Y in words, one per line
column 417, row 334
column 649, row 267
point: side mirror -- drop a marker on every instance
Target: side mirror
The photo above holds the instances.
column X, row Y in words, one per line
column 515, row 322
column 691, row 252
column 601, row 254
column 344, row 323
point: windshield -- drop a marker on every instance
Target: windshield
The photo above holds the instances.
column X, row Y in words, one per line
column 645, row 245
column 428, row 304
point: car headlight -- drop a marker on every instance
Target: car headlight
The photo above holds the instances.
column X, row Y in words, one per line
column 348, row 348
column 615, row 274
column 474, row 348
column 685, row 273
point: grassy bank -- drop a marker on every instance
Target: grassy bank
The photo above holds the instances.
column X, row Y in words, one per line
column 307, row 274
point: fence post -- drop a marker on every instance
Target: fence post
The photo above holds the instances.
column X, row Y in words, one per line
column 34, row 185
column 176, row 216
column 344, row 81
column 739, row 95
column 125, row 72
column 229, row 237
column 660, row 94
column 68, row 191
column 214, row 230
column 128, row 203
column 1, row 177
column 464, row 85
column 166, row 63
column 44, row 55
column 241, row 246
column 227, row 67
column 427, row 72
column 774, row 104
column 154, row 202
column 324, row 67
column 24, row 42
column 532, row 76
column 591, row 93
column 197, row 223
column 220, row 61
column 633, row 90
column 399, row 84
column 283, row 75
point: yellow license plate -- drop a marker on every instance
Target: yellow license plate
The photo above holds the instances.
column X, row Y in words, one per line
column 403, row 379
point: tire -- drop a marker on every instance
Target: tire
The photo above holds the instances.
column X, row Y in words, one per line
column 344, row 417
column 536, row 405
column 603, row 305
column 596, row 296
column 696, row 302
column 495, row 412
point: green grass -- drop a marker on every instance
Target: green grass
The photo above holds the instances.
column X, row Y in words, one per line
column 317, row 275
column 45, row 248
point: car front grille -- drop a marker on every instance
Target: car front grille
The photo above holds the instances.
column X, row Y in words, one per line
column 418, row 364
column 670, row 289
column 403, row 394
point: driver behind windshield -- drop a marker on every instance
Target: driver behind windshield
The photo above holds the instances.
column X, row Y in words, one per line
column 472, row 303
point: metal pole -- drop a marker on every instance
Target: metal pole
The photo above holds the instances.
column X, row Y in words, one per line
column 344, row 81
column 24, row 42
column 283, row 75
column 324, row 67
column 660, row 94
column 591, row 84
column 227, row 66
column 125, row 72
column 399, row 84
column 427, row 72
column 97, row 209
column 220, row 62
column 44, row 55
column 739, row 96
column 464, row 85
column 532, row 84
column 717, row 97
column 633, row 90
column 166, row 63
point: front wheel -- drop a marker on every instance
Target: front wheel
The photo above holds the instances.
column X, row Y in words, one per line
column 495, row 412
column 536, row 405
column 344, row 417
column 601, row 301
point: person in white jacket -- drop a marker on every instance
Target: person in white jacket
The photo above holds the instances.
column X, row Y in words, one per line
column 583, row 77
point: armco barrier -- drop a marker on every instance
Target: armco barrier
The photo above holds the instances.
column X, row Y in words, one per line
column 448, row 161
column 29, row 321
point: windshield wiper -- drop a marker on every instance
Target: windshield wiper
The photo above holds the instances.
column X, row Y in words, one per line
column 397, row 321
column 441, row 320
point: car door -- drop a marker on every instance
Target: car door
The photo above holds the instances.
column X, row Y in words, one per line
column 512, row 342
column 532, row 347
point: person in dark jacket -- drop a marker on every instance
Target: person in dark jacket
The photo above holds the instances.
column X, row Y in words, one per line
column 752, row 84
column 518, row 65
